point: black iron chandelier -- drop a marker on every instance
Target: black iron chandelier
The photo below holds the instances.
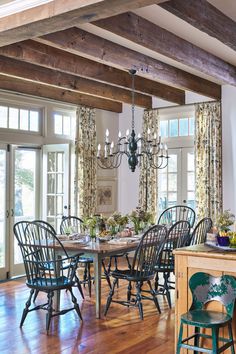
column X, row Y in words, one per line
column 150, row 149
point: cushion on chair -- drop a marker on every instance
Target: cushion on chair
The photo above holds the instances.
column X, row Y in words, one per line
column 204, row 318
column 50, row 283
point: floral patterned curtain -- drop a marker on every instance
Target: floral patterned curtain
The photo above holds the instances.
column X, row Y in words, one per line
column 85, row 162
column 208, row 156
column 148, row 176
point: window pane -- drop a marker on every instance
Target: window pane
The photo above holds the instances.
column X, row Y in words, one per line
column 51, row 183
column 60, row 183
column 51, row 205
column 162, row 182
column 173, row 127
column 162, row 201
column 172, row 163
column 191, row 126
column 172, row 199
column 34, row 121
column 191, row 199
column 59, row 205
column 164, row 128
column 13, row 118
column 191, row 182
column 58, row 124
column 183, row 127
column 66, row 125
column 172, row 182
column 51, row 162
column 24, row 119
column 191, row 161
column 60, row 162
column 3, row 117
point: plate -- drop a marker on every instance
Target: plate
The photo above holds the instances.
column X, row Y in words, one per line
column 221, row 248
column 104, row 238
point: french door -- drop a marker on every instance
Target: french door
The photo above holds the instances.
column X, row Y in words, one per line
column 176, row 183
column 56, row 186
column 19, row 200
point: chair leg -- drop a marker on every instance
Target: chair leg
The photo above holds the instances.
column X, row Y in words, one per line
column 231, row 337
column 156, row 282
column 215, row 336
column 26, row 309
column 79, row 286
column 154, row 297
column 196, row 338
column 109, row 299
column 116, row 268
column 76, row 306
column 106, row 274
column 166, row 287
column 85, row 274
column 129, row 291
column 50, row 310
column 179, row 339
column 139, row 300
column 89, row 280
column 35, row 295
column 128, row 262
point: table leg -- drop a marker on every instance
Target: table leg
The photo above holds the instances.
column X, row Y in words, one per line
column 97, row 262
column 57, row 292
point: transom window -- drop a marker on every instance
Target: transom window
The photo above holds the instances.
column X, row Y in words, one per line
column 64, row 124
column 19, row 118
column 176, row 127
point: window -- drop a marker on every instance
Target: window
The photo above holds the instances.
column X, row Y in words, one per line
column 176, row 182
column 64, row 124
column 19, row 118
column 177, row 127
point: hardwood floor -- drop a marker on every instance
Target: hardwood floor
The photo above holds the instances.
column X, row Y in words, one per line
column 120, row 332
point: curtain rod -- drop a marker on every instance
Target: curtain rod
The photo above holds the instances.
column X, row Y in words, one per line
column 183, row 105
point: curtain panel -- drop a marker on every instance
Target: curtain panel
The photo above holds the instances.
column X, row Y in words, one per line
column 208, row 159
column 148, row 175
column 85, row 181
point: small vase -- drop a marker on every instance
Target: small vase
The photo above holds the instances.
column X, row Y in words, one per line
column 136, row 227
column 92, row 233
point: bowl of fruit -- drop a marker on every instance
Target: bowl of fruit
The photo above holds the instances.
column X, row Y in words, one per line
column 104, row 235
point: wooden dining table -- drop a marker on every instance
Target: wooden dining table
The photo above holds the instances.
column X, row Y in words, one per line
column 98, row 251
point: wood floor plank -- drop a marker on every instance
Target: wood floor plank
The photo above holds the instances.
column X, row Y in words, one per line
column 121, row 331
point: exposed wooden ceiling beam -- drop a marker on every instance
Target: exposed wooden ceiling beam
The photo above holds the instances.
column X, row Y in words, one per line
column 58, row 15
column 80, row 42
column 151, row 36
column 207, row 18
column 39, row 74
column 46, row 56
column 29, row 88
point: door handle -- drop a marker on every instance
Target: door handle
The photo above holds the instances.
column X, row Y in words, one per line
column 12, row 212
column 184, row 201
column 7, row 214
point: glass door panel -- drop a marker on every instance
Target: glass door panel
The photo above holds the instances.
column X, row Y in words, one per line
column 176, row 183
column 3, row 213
column 56, row 183
column 25, row 195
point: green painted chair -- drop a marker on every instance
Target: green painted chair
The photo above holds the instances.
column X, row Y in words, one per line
column 206, row 288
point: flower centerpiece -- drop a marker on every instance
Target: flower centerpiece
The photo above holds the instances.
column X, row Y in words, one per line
column 121, row 220
column 140, row 218
column 111, row 223
column 223, row 223
column 91, row 222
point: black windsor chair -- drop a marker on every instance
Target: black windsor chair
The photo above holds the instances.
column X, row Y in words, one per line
column 48, row 226
column 142, row 270
column 178, row 236
column 75, row 225
column 200, row 231
column 45, row 270
column 177, row 213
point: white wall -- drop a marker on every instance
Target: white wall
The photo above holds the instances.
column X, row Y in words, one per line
column 229, row 147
